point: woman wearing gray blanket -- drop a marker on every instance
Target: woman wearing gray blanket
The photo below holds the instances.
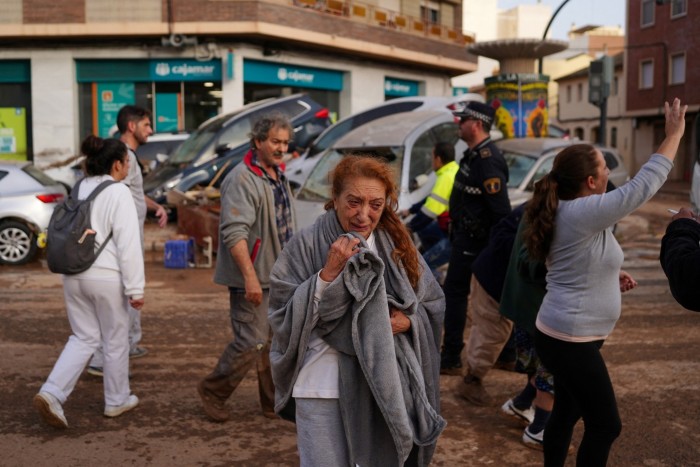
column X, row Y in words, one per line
column 339, row 291
column 569, row 224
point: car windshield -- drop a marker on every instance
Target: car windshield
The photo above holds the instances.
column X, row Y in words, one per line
column 318, row 186
column 519, row 165
column 197, row 141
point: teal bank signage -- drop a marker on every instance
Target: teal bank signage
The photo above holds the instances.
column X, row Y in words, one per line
column 262, row 72
column 185, row 70
column 395, row 87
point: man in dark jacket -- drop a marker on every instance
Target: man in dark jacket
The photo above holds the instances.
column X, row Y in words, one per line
column 680, row 258
column 478, row 201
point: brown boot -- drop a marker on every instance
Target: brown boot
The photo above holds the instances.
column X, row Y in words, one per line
column 212, row 405
column 474, row 392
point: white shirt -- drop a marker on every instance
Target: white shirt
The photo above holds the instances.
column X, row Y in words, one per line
column 319, row 377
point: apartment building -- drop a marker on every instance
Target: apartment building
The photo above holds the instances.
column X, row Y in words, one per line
column 582, row 119
column 66, row 67
column 663, row 62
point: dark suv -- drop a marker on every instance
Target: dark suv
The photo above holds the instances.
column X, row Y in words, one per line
column 221, row 142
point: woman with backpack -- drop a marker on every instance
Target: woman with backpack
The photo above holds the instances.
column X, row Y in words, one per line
column 97, row 299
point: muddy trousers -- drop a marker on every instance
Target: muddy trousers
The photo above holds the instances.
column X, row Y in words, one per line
column 250, row 347
column 489, row 332
column 582, row 389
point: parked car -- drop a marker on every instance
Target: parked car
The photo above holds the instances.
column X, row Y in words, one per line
column 223, row 141
column 529, row 159
column 405, row 140
column 298, row 169
column 158, row 148
column 27, row 199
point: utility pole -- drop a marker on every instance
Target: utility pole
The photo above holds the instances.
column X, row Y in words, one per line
column 546, row 30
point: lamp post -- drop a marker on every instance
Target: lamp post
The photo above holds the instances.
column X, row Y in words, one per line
column 546, row 30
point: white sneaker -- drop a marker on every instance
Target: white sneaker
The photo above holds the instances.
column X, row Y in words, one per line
column 525, row 416
column 116, row 410
column 533, row 440
column 50, row 409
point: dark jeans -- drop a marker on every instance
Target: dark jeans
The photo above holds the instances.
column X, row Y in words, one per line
column 582, row 389
column 456, row 288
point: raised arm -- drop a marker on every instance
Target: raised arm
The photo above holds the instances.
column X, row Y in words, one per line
column 675, row 127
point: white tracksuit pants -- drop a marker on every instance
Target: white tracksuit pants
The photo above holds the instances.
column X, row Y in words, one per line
column 97, row 312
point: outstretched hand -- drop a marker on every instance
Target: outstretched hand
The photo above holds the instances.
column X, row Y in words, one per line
column 675, row 118
column 685, row 213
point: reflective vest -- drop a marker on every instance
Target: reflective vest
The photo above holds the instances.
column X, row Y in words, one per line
column 437, row 203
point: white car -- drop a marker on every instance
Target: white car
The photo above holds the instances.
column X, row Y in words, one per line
column 404, row 140
column 298, row 169
column 27, row 199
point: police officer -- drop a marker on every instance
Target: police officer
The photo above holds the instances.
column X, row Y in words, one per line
column 479, row 200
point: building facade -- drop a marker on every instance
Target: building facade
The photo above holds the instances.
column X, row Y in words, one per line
column 663, row 62
column 67, row 67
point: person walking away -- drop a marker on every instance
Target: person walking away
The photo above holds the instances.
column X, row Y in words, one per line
column 478, row 201
column 489, row 330
column 97, row 299
column 569, row 224
column 431, row 216
column 257, row 220
column 134, row 124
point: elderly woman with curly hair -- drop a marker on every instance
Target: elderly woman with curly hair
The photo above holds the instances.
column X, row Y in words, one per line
column 356, row 319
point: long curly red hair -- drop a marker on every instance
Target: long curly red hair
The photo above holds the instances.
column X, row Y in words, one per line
column 362, row 165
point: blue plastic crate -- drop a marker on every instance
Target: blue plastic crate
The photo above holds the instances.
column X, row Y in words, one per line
column 179, row 254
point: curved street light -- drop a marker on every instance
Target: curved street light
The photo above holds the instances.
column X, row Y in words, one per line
column 546, row 30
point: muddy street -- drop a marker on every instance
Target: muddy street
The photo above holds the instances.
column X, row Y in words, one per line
column 653, row 357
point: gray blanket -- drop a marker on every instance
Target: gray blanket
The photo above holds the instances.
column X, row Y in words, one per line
column 389, row 385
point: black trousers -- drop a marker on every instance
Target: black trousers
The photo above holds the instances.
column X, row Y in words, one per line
column 582, row 389
column 456, row 288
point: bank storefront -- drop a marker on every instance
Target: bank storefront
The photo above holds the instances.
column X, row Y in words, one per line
column 15, row 110
column 181, row 93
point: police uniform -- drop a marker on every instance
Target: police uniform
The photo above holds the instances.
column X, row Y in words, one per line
column 479, row 200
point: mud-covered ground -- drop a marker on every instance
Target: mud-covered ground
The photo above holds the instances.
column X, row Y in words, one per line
column 653, row 356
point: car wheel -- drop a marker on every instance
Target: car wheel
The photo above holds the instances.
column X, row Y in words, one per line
column 17, row 243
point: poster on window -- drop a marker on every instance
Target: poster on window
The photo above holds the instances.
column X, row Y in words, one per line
column 167, row 112
column 520, row 102
column 109, row 98
column 13, row 133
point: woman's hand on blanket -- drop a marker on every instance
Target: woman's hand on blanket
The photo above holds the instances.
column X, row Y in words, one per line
column 253, row 291
column 399, row 321
column 338, row 255
column 626, row 282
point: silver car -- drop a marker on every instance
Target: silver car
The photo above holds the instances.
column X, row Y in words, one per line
column 405, row 140
column 27, row 200
column 529, row 159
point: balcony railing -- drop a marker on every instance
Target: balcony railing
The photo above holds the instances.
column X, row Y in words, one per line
column 382, row 17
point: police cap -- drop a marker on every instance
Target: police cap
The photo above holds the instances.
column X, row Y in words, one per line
column 475, row 109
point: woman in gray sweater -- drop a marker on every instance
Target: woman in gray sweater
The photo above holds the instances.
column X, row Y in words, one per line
column 570, row 220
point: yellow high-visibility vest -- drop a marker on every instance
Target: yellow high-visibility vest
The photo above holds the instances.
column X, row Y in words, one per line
column 438, row 201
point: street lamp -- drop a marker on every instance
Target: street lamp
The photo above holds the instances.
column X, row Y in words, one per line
column 546, row 30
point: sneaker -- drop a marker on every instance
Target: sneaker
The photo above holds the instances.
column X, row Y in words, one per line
column 116, row 410
column 95, row 371
column 50, row 409
column 212, row 405
column 138, row 352
column 533, row 440
column 525, row 416
column 474, row 392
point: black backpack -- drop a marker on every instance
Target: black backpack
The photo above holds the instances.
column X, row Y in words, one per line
column 70, row 240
